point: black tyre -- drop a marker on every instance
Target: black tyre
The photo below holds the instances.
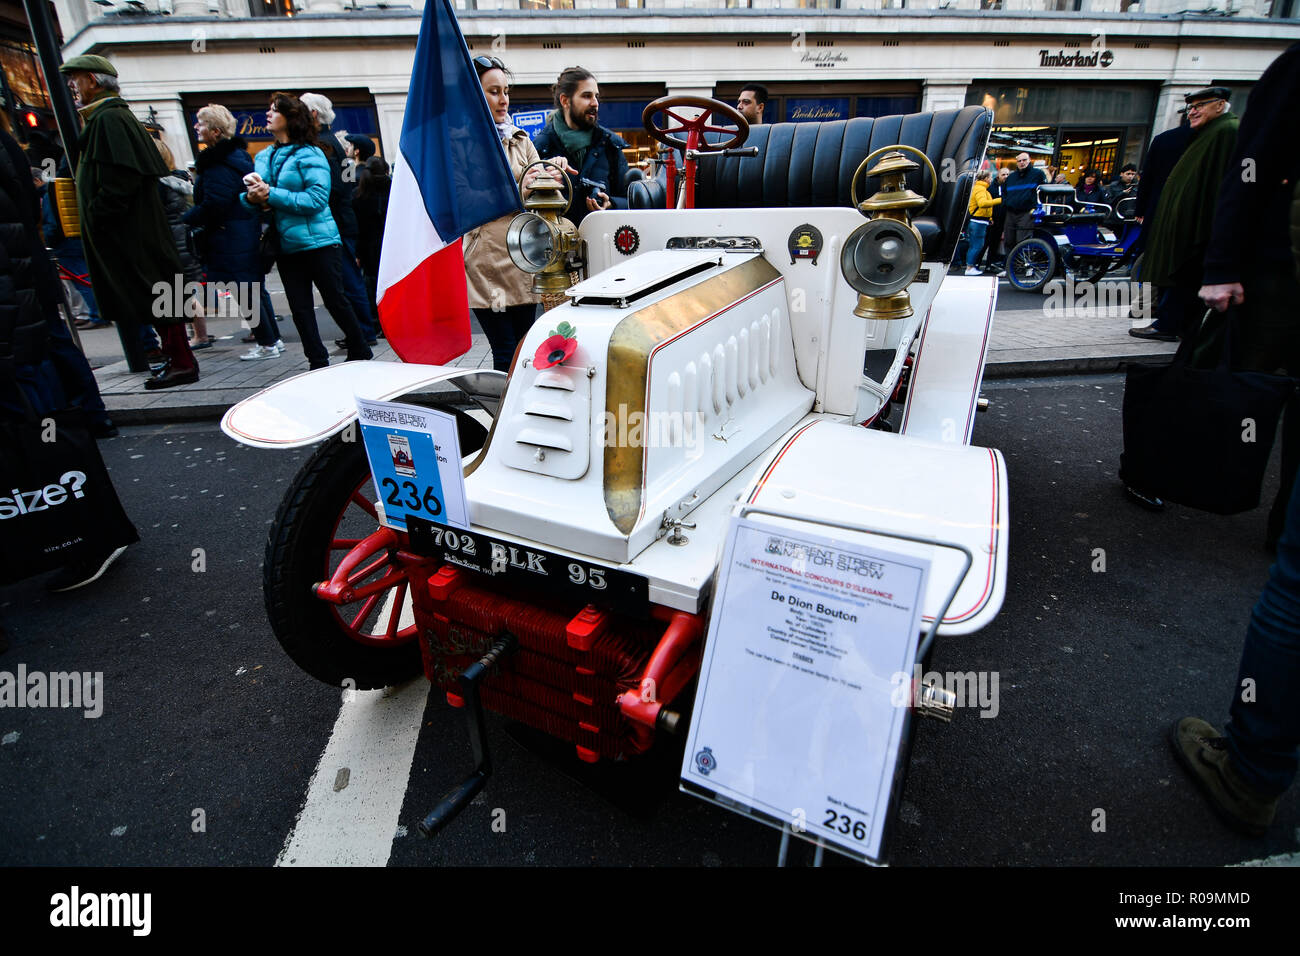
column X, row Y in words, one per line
column 326, row 511
column 1031, row 264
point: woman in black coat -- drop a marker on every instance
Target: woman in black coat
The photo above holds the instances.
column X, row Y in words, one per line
column 371, row 205
column 229, row 229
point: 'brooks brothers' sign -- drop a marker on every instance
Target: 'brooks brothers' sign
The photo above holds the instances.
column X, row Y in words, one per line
column 1103, row 58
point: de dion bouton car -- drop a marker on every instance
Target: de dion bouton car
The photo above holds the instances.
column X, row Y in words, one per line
column 784, row 344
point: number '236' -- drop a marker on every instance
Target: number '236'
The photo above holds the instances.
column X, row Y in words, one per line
column 429, row 503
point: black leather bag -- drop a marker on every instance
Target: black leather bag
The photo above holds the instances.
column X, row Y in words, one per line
column 268, row 245
column 57, row 504
column 1201, row 437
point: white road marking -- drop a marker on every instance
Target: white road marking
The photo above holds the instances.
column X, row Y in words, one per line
column 374, row 740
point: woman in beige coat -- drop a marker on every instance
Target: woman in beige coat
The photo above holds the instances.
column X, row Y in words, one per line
column 499, row 293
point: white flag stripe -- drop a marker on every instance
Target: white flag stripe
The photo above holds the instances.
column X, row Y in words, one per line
column 409, row 236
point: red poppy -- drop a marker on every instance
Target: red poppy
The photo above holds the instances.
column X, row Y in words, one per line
column 555, row 351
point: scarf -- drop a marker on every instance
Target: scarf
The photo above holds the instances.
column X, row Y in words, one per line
column 576, row 142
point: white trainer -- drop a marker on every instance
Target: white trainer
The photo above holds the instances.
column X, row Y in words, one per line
column 279, row 345
column 972, row 271
column 260, row 352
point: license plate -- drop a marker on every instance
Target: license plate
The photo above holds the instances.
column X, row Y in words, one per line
column 530, row 566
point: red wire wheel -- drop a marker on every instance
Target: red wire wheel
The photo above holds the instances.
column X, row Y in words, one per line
column 373, row 619
column 328, row 510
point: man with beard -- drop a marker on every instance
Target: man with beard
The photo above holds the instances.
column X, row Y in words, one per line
column 124, row 230
column 575, row 141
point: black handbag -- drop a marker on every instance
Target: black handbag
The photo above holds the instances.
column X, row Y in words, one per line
column 57, row 503
column 268, row 245
column 1201, row 437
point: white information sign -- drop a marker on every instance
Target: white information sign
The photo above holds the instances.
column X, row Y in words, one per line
column 414, row 456
column 798, row 713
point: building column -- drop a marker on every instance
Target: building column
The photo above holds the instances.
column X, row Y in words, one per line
column 189, row 8
column 1169, row 102
column 704, row 91
column 391, row 109
column 943, row 96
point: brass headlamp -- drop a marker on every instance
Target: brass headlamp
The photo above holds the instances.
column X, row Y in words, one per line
column 882, row 257
column 541, row 241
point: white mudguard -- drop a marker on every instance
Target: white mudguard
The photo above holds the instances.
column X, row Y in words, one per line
column 315, row 405
column 899, row 485
column 949, row 363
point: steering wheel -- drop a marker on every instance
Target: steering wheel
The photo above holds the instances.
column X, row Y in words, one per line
column 897, row 147
column 699, row 124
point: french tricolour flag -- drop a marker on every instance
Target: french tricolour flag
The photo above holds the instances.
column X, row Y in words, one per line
column 452, row 177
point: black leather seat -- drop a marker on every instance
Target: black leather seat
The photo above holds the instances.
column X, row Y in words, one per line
column 645, row 193
column 810, row 164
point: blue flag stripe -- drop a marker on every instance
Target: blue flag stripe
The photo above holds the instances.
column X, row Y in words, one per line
column 448, row 137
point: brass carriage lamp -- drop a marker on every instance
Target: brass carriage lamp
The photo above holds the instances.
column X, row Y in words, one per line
column 541, row 241
column 883, row 256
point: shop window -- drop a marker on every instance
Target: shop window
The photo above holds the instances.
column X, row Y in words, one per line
column 271, row 8
column 1046, row 104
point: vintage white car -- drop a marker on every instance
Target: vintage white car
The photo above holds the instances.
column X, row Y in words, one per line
column 790, row 348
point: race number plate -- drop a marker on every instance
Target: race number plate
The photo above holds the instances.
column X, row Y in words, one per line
column 414, row 456
column 531, row 567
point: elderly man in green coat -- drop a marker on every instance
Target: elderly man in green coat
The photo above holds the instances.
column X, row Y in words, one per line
column 128, row 243
column 1175, row 249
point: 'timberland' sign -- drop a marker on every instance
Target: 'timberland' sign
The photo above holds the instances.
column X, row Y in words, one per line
column 1102, row 58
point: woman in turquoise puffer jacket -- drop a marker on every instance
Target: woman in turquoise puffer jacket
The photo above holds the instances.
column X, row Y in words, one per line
column 293, row 182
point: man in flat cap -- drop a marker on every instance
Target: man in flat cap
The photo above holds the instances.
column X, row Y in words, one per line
column 1175, row 246
column 124, row 230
